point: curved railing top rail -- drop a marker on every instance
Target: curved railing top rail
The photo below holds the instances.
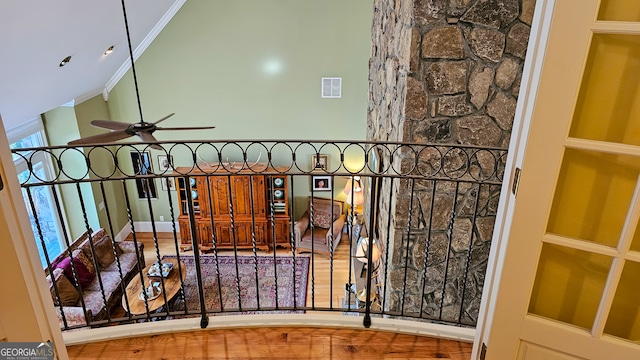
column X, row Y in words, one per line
column 250, row 141
column 344, row 158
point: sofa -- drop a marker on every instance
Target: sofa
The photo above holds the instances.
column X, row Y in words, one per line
column 88, row 285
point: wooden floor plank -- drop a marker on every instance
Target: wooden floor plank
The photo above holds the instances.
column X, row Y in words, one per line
column 275, row 343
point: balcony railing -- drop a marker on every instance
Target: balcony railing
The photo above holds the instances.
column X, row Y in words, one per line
column 233, row 220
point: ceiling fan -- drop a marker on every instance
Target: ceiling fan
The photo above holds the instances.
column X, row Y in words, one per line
column 120, row 130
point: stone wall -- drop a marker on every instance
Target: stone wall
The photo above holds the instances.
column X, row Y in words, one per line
column 445, row 72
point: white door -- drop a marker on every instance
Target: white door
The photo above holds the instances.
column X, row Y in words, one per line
column 570, row 278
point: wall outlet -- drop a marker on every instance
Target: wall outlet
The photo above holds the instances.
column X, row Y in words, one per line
column 161, row 218
column 101, row 206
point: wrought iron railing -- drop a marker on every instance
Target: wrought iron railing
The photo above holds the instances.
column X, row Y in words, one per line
column 428, row 212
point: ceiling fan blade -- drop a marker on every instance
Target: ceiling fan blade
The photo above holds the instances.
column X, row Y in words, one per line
column 101, row 138
column 147, row 137
column 111, row 125
column 165, row 118
column 186, row 128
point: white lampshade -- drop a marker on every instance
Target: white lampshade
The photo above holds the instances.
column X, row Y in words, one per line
column 363, row 247
column 350, row 184
column 355, row 198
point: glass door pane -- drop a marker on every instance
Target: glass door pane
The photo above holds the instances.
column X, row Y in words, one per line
column 569, row 284
column 624, row 317
column 635, row 244
column 45, row 213
column 608, row 105
column 619, row 10
column 593, row 195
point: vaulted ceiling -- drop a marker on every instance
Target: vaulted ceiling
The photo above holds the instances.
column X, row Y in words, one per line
column 36, row 35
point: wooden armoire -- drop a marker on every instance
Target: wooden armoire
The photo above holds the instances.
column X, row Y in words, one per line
column 232, row 207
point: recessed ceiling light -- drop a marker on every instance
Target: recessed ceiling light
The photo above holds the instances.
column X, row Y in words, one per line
column 109, row 50
column 65, row 61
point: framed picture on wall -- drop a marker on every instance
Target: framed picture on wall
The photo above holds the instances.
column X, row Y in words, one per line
column 319, row 162
column 168, row 184
column 165, row 163
column 321, row 183
column 141, row 161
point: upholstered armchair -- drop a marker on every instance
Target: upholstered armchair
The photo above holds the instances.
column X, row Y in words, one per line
column 320, row 226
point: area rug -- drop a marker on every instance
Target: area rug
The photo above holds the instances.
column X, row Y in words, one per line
column 231, row 289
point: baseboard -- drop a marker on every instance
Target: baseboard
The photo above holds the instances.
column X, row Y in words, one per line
column 161, row 226
column 124, row 233
column 145, row 226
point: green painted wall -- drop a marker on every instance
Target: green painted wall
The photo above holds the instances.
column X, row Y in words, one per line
column 61, row 126
column 102, row 162
column 210, row 65
column 253, row 69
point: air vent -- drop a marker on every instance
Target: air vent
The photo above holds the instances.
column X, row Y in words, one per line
column 331, row 87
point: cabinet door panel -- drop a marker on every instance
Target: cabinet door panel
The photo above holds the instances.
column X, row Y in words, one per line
column 220, row 195
column 281, row 233
column 244, row 231
column 241, row 193
column 224, row 234
column 243, row 234
column 241, row 196
column 261, row 233
column 203, row 195
column 185, row 231
column 259, row 193
column 205, row 234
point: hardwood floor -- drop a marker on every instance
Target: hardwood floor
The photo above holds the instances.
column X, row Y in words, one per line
column 278, row 342
column 275, row 343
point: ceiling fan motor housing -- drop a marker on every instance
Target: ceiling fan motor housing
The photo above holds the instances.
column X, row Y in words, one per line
column 141, row 127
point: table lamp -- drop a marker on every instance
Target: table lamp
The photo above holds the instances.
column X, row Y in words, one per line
column 362, row 254
column 353, row 182
column 355, row 198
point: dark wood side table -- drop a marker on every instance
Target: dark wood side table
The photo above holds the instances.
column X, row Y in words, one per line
column 172, row 285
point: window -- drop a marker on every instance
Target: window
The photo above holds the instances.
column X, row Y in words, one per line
column 42, row 196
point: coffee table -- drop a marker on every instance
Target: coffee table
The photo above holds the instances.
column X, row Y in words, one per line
column 172, row 286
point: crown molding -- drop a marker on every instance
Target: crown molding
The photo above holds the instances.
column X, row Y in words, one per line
column 88, row 95
column 143, row 46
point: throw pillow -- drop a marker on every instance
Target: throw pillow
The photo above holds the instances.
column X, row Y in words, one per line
column 322, row 215
column 98, row 235
column 66, row 291
column 56, row 261
column 86, row 260
column 322, row 219
column 85, row 277
column 104, row 252
column 86, row 248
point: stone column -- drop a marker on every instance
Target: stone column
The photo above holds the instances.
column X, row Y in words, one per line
column 443, row 72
